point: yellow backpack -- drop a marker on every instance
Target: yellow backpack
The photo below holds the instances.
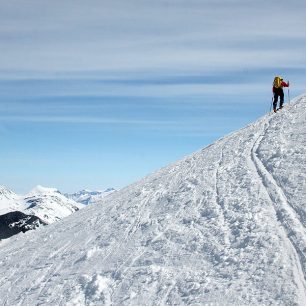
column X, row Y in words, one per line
column 277, row 83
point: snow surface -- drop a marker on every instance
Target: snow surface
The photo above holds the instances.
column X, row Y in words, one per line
column 223, row 226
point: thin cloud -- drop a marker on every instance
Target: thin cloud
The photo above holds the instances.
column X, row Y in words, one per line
column 142, row 36
column 82, row 120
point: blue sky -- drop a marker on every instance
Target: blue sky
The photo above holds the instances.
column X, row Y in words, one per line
column 97, row 94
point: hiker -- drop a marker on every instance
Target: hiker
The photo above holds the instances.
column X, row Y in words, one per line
column 278, row 85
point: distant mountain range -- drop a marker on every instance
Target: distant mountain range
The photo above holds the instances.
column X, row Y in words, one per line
column 89, row 197
column 41, row 206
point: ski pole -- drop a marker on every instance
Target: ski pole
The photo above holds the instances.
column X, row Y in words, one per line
column 271, row 104
column 288, row 95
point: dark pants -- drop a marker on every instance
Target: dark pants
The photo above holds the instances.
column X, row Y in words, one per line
column 278, row 92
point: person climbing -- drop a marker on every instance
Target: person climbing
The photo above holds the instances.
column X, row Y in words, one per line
column 278, row 85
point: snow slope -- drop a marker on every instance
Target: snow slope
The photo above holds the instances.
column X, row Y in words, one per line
column 224, row 226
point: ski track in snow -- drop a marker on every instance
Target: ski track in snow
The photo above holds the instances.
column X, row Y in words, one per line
column 224, row 226
column 285, row 214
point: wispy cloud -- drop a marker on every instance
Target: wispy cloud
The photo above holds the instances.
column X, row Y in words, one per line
column 175, row 86
column 83, row 120
column 142, row 36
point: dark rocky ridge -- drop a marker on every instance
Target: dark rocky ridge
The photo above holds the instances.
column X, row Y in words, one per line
column 15, row 222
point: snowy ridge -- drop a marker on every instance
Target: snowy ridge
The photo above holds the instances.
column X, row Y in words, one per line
column 223, row 226
column 5, row 192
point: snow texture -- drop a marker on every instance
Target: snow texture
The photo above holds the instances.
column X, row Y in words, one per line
column 223, row 226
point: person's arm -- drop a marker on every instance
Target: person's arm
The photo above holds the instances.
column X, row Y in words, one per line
column 284, row 84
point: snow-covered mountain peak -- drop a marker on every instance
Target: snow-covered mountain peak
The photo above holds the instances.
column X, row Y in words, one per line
column 49, row 204
column 8, row 200
column 40, row 190
column 6, row 193
column 223, row 226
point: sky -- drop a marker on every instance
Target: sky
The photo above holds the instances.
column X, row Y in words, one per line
column 97, row 94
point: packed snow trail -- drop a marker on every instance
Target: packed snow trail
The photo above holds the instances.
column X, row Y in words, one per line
column 288, row 218
column 223, row 226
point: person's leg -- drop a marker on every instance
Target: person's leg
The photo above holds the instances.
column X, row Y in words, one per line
column 275, row 100
column 281, row 94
